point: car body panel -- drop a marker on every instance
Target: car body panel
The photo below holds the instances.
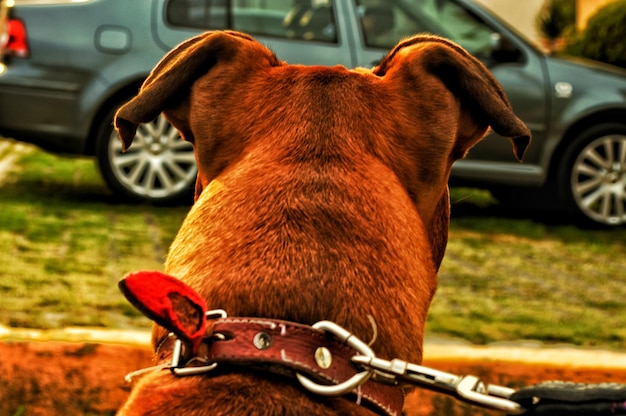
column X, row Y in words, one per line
column 98, row 52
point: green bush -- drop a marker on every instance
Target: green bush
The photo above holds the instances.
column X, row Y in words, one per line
column 604, row 39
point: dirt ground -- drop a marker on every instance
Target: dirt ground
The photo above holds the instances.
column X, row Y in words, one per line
column 60, row 378
column 50, row 378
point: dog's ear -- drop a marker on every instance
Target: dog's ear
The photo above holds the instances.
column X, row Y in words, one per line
column 170, row 81
column 467, row 78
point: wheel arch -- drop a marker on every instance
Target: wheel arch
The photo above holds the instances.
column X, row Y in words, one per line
column 610, row 116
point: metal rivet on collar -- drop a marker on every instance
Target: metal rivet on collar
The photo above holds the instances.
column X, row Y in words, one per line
column 323, row 358
column 262, row 340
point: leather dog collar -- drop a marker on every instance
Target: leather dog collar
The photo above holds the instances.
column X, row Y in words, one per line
column 287, row 349
column 207, row 343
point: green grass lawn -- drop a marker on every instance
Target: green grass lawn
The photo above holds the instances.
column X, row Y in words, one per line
column 65, row 242
column 507, row 279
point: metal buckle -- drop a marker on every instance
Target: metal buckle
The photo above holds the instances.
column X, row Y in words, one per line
column 181, row 370
column 353, row 382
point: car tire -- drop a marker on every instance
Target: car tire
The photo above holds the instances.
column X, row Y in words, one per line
column 159, row 167
column 593, row 176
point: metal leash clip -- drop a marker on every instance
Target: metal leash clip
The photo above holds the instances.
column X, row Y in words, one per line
column 467, row 388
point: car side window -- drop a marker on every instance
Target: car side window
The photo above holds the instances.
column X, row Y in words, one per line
column 312, row 20
column 384, row 23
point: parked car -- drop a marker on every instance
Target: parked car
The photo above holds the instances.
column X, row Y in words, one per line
column 69, row 64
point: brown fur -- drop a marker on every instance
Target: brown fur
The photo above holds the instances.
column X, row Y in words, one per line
column 321, row 194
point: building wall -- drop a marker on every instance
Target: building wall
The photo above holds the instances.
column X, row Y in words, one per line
column 521, row 13
column 518, row 13
column 585, row 9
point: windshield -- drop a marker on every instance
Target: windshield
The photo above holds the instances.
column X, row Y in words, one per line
column 385, row 22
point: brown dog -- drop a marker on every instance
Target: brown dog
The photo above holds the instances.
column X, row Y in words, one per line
column 321, row 195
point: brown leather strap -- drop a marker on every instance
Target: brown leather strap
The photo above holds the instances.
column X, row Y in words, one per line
column 288, row 348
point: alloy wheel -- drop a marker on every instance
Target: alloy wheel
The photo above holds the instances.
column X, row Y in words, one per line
column 158, row 166
column 598, row 180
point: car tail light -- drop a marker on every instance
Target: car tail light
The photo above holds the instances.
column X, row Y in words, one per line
column 15, row 42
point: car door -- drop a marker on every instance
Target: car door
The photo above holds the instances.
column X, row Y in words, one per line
column 512, row 60
column 300, row 32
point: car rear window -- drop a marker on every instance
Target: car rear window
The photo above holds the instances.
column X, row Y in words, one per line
column 308, row 20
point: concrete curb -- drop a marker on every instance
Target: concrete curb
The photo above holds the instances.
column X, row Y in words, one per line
column 435, row 348
column 525, row 352
column 77, row 334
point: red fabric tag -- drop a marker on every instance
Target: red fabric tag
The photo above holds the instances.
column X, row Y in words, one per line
column 168, row 302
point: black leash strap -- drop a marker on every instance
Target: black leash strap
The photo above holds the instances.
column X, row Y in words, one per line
column 558, row 398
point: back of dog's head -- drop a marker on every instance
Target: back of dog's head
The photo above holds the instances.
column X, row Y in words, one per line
column 322, row 191
column 421, row 109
